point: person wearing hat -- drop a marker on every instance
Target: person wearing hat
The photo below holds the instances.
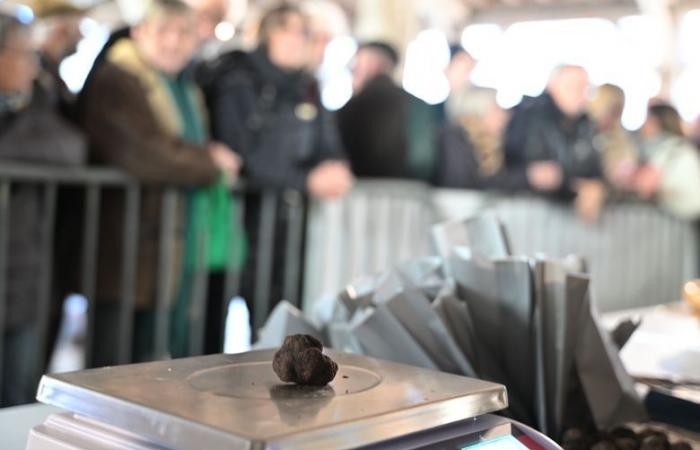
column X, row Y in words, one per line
column 58, row 34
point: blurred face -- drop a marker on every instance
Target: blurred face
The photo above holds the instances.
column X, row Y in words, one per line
column 19, row 65
column 67, row 35
column 569, row 89
column 495, row 119
column 317, row 48
column 288, row 44
column 650, row 128
column 368, row 64
column 167, row 44
column 209, row 14
column 460, row 70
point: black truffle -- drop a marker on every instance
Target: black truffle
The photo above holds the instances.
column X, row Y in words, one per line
column 300, row 360
column 681, row 446
column 627, row 443
column 603, row 445
column 623, row 432
column 655, row 441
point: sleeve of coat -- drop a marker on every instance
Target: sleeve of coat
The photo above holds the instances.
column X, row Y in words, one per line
column 42, row 137
column 125, row 133
column 680, row 186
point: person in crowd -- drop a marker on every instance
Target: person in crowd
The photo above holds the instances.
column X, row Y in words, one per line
column 671, row 169
column 58, row 34
column 618, row 151
column 144, row 114
column 326, row 21
column 31, row 131
column 471, row 150
column 386, row 131
column 210, row 13
column 555, row 128
column 458, row 73
column 694, row 132
column 266, row 106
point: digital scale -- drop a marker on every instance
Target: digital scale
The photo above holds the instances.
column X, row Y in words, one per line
column 229, row 402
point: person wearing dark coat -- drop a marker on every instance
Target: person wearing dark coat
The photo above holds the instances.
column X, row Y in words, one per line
column 58, row 34
column 31, row 132
column 470, row 149
column 386, row 131
column 267, row 108
column 555, row 127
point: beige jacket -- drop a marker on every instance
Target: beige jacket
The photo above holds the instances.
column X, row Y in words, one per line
column 679, row 162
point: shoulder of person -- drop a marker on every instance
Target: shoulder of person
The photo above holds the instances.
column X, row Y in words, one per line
column 232, row 67
column 109, row 74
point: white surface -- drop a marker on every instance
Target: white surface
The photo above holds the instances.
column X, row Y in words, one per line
column 665, row 346
column 16, row 422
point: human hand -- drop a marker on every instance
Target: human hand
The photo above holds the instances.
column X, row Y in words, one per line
column 647, row 181
column 590, row 199
column 330, row 179
column 621, row 175
column 545, row 176
column 225, row 159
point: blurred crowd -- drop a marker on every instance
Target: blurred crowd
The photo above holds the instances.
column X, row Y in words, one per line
column 154, row 106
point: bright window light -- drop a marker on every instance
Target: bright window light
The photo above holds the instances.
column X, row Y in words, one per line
column 482, row 40
column 225, row 31
column 427, row 57
column 75, row 68
column 686, row 90
column 334, row 75
column 518, row 61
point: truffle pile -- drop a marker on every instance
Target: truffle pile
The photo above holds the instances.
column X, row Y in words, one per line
column 620, row 438
column 301, row 360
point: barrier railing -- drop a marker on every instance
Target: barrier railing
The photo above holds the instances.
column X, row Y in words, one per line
column 637, row 254
column 91, row 183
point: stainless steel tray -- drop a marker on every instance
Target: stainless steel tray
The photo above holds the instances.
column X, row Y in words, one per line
column 237, row 402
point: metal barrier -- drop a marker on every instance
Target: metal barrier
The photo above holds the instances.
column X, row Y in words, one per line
column 637, row 254
column 92, row 183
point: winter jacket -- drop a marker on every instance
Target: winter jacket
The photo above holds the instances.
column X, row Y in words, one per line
column 389, row 133
column 458, row 166
column 272, row 118
column 133, row 123
column 539, row 130
column 679, row 163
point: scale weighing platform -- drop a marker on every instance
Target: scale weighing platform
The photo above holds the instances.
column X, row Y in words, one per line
column 228, row 402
